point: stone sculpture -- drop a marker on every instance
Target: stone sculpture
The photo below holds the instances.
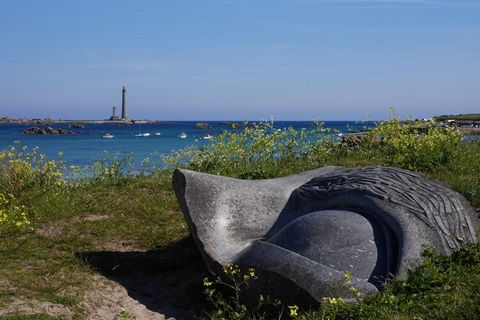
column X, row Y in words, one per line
column 304, row 232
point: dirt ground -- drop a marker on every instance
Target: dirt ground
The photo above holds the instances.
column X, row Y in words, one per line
column 127, row 284
column 154, row 285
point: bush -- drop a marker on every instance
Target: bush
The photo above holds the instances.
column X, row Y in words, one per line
column 11, row 213
column 230, row 306
column 262, row 152
column 25, row 176
column 28, row 173
column 415, row 145
column 259, row 151
column 112, row 169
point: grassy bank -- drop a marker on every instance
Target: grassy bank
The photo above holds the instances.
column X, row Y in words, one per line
column 460, row 117
column 64, row 242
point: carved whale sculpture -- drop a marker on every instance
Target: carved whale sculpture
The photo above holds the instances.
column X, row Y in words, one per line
column 304, row 232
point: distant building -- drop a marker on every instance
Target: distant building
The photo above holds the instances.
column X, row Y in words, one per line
column 114, row 114
column 124, row 116
column 124, row 104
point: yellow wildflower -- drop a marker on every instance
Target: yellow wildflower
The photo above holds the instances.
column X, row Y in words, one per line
column 333, row 300
column 293, row 310
column 206, row 282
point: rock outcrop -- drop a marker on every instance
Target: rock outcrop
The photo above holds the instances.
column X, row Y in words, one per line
column 202, row 125
column 47, row 130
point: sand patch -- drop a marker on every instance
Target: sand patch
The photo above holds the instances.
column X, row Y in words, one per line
column 30, row 307
column 109, row 300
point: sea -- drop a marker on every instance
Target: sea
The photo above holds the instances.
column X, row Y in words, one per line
column 140, row 141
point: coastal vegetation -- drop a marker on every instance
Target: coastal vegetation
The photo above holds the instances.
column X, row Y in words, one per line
column 459, row 117
column 65, row 232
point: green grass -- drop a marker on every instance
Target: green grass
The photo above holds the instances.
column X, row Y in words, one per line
column 469, row 116
column 112, row 211
column 140, row 213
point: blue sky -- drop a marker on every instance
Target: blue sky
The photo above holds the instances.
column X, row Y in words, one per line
column 239, row 59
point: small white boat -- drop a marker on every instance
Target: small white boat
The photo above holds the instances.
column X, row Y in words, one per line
column 158, row 133
column 208, row 137
column 146, row 134
column 108, row 136
column 182, row 135
column 340, row 135
column 143, row 135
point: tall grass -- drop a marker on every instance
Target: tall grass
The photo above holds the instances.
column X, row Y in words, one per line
column 259, row 152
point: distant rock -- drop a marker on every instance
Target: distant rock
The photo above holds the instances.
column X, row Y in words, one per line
column 231, row 125
column 77, row 125
column 202, row 125
column 47, row 130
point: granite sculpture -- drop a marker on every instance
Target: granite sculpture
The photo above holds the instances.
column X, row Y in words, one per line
column 304, row 232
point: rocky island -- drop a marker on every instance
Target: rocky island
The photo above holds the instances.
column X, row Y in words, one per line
column 47, row 130
column 202, row 125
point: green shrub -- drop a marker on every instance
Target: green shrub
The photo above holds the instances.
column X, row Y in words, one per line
column 262, row 152
column 230, row 306
column 258, row 151
column 112, row 169
column 24, row 176
column 11, row 213
column 22, row 170
column 415, row 145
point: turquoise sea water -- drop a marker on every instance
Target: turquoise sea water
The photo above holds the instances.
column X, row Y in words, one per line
column 87, row 145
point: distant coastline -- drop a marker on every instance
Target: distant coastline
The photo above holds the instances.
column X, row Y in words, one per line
column 459, row 117
column 49, row 121
column 468, row 124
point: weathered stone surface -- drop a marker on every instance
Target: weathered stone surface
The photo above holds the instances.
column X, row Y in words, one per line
column 304, row 232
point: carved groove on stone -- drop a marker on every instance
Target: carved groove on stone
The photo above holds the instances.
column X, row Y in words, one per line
column 432, row 203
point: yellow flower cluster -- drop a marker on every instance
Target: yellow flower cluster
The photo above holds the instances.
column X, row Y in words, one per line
column 352, row 289
column 293, row 310
column 231, row 269
column 20, row 169
column 207, row 282
column 332, row 300
column 250, row 275
column 12, row 214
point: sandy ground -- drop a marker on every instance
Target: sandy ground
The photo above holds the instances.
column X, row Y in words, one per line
column 156, row 285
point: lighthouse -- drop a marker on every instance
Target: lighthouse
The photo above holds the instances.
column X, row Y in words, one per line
column 124, row 104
